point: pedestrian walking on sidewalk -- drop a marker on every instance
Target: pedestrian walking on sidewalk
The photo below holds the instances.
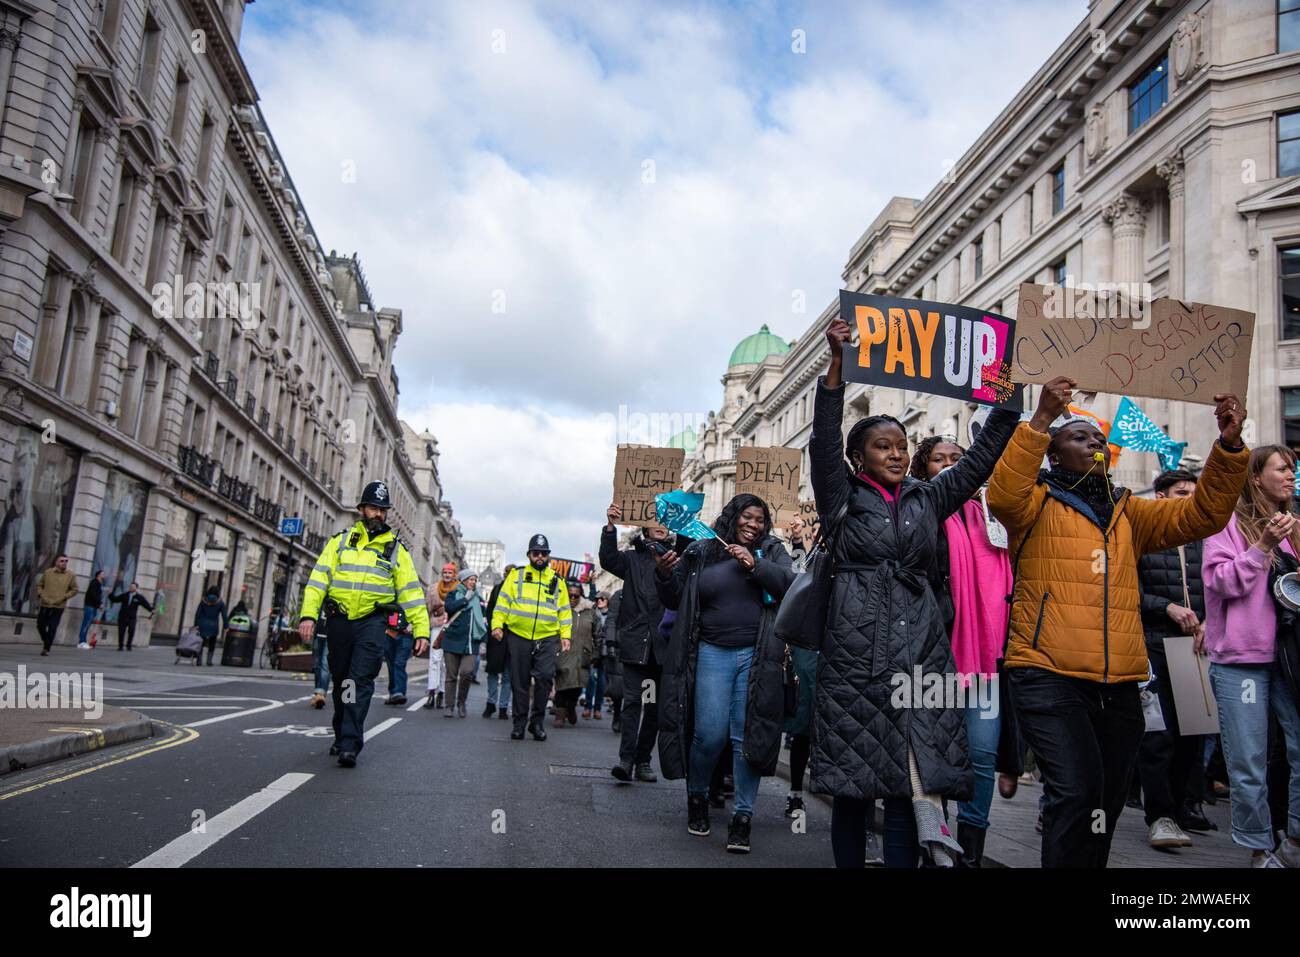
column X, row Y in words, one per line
column 641, row 650
column 398, row 645
column 1076, row 650
column 53, row 589
column 971, row 580
column 131, row 601
column 1173, row 606
column 460, row 641
column 573, row 666
column 724, row 675
column 363, row 575
column 1262, row 540
column 497, row 662
column 532, row 613
column 92, row 607
column 885, row 622
column 210, row 619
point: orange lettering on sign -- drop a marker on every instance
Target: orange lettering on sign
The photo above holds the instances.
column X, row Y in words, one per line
column 925, row 332
column 871, row 332
column 899, row 349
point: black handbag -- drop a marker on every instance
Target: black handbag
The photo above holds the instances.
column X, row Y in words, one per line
column 801, row 619
column 790, row 686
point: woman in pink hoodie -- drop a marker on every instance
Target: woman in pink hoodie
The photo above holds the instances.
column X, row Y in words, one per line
column 1241, row 640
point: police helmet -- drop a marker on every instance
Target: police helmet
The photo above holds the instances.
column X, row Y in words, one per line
column 538, row 543
column 376, row 493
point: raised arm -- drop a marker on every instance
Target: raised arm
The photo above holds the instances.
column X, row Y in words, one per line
column 1015, row 497
column 955, row 486
column 611, row 559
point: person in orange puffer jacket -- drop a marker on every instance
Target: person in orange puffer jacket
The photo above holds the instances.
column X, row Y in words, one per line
column 1075, row 652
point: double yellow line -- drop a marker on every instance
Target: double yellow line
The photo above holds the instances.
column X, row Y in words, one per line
column 176, row 736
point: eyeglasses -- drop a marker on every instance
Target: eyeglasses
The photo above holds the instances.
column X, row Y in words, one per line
column 535, row 554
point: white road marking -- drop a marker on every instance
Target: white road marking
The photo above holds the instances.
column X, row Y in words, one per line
column 381, row 727
column 193, row 843
column 237, row 714
column 417, row 706
column 191, row 707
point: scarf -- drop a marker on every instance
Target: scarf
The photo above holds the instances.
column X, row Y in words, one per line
column 1093, row 488
column 979, row 578
column 446, row 588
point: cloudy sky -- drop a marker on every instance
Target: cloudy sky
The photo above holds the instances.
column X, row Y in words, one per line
column 585, row 206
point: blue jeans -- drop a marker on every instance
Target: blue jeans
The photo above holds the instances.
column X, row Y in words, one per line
column 596, row 688
column 1243, row 726
column 397, row 652
column 87, row 619
column 721, row 687
column 499, row 683
column 321, row 663
column 982, row 729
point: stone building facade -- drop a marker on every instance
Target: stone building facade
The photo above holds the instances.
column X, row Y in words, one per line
column 181, row 364
column 1160, row 144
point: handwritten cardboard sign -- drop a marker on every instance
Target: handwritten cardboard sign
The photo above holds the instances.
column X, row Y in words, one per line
column 773, row 475
column 640, row 474
column 1167, row 349
column 931, row 347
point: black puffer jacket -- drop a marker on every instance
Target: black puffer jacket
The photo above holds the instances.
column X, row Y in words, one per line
column 497, row 656
column 1160, row 576
column 609, row 649
column 885, row 621
column 641, row 609
column 765, row 703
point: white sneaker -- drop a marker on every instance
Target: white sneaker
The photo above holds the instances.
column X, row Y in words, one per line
column 83, row 647
column 1165, row 833
column 1288, row 854
column 1266, row 860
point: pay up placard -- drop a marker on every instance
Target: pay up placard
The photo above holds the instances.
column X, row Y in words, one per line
column 931, row 347
column 640, row 474
column 773, row 475
column 1165, row 349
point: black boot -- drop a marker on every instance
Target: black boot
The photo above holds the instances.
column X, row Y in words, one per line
column 971, row 839
column 697, row 815
column 489, row 709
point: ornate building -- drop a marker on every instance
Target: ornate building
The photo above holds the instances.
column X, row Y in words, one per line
column 1160, row 144
column 181, row 365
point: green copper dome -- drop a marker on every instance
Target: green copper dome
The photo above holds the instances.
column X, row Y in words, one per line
column 754, row 349
column 683, row 440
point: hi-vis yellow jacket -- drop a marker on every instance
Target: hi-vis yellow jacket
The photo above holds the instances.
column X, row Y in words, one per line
column 533, row 604
column 352, row 570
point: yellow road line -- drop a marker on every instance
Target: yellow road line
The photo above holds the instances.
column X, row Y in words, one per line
column 178, row 736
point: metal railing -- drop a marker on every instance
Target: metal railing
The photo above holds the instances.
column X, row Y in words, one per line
column 196, row 465
column 210, row 365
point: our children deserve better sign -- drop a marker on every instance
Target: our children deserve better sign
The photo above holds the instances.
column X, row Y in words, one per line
column 932, row 347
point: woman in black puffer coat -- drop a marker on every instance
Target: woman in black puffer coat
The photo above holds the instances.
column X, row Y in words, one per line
column 885, row 623
column 724, row 673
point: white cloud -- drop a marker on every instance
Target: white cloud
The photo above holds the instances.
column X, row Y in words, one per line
column 522, row 171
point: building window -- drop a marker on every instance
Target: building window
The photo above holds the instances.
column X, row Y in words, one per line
column 147, row 70
column 1289, row 272
column 123, row 216
column 735, row 447
column 1288, row 25
column 223, row 227
column 1291, row 417
column 1029, row 203
column 180, row 106
column 1058, row 272
column 1148, row 94
column 1288, row 142
column 82, row 173
column 110, row 19
column 206, row 137
column 979, row 257
column 1058, row 191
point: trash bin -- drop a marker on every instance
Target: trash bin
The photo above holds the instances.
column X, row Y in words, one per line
column 240, row 643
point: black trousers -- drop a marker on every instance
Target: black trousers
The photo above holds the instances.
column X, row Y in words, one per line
column 47, row 625
column 1166, row 758
column 640, row 720
column 210, row 643
column 531, row 663
column 356, row 650
column 125, row 632
column 1085, row 738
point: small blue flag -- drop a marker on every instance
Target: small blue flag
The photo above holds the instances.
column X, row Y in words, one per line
column 676, row 511
column 1132, row 428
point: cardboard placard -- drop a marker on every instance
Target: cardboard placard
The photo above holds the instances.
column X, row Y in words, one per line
column 1189, row 679
column 773, row 475
column 1172, row 350
column 931, row 347
column 641, row 473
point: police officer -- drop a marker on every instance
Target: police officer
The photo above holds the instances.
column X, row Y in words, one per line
column 364, row 575
column 532, row 612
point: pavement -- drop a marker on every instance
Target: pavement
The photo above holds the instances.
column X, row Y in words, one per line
column 239, row 752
